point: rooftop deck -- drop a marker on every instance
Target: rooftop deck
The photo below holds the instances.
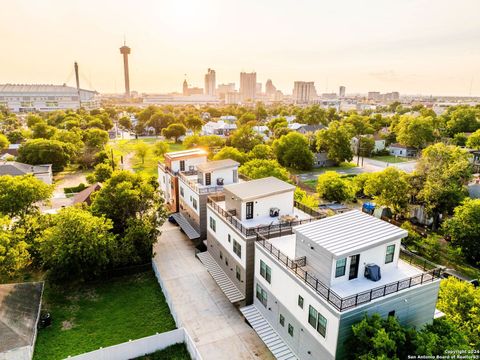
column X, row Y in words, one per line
column 412, row 270
column 265, row 224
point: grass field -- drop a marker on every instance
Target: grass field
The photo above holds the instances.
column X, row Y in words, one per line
column 86, row 317
column 174, row 352
column 126, row 148
column 341, row 167
column 390, row 159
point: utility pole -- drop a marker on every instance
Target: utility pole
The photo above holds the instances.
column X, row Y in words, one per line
column 77, row 78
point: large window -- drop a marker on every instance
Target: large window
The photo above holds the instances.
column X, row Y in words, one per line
column 237, row 248
column 265, row 271
column 390, row 253
column 262, row 295
column 208, row 179
column 317, row 320
column 213, row 224
column 340, row 267
column 182, row 165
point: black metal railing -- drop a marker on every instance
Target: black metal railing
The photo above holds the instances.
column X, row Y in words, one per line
column 342, row 304
column 278, row 229
column 197, row 187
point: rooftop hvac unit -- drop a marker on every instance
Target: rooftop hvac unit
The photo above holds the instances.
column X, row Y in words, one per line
column 372, row 272
column 274, row 212
column 219, row 181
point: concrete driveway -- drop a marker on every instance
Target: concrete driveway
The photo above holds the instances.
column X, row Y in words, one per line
column 215, row 325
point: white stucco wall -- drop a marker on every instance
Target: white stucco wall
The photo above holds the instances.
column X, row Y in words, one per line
column 175, row 164
column 188, row 195
column 262, row 206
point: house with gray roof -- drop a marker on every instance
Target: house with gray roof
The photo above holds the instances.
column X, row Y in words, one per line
column 14, row 168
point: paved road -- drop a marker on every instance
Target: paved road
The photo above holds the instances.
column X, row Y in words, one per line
column 216, row 326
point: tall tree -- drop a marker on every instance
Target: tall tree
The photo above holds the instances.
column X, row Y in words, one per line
column 293, row 150
column 141, row 151
column 332, row 187
column 473, row 140
column 336, row 142
column 257, row 169
column 245, row 139
column 3, row 142
column 14, row 255
column 229, row 152
column 43, row 151
column 415, row 132
column 174, row 131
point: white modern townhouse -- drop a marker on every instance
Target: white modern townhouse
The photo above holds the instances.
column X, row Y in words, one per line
column 195, row 186
column 312, row 285
column 264, row 205
column 168, row 171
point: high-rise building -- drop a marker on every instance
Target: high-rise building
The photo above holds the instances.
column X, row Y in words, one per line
column 304, row 92
column 125, row 51
column 341, row 91
column 270, row 89
column 223, row 89
column 258, row 88
column 210, row 82
column 185, row 87
column 248, row 85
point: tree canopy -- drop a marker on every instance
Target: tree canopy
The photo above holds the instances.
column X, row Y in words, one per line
column 259, row 168
column 229, row 152
column 293, row 150
column 336, row 142
column 332, row 187
column 42, row 151
column 245, row 139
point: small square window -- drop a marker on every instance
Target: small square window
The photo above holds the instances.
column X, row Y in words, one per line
column 282, row 320
column 290, row 329
column 390, row 254
column 300, row 301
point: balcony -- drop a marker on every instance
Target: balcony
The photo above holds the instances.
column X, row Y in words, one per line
column 412, row 271
column 265, row 224
column 190, row 178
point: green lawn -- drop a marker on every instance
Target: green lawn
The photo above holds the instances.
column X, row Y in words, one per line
column 149, row 166
column 311, row 183
column 174, row 352
column 390, row 159
column 341, row 167
column 86, row 317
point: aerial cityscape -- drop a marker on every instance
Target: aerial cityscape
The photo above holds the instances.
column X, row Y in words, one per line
column 239, row 180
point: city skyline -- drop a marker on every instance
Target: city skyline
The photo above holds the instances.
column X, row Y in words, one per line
column 365, row 47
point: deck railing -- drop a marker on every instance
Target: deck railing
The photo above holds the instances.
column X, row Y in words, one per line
column 279, row 229
column 342, row 304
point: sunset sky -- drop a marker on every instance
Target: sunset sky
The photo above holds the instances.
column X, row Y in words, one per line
column 412, row 46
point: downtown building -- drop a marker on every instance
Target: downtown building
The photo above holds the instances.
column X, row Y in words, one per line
column 304, row 92
column 311, row 286
column 210, row 83
column 27, row 98
column 248, row 86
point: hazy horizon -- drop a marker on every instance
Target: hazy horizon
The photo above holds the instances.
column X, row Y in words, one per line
column 410, row 46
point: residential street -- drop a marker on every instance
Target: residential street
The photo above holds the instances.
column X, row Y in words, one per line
column 215, row 325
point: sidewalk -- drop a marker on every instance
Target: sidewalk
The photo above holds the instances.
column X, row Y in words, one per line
column 215, row 325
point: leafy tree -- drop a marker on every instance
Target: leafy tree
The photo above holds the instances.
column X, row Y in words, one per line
column 160, row 121
column 472, row 142
column 229, row 152
column 278, row 122
column 261, row 151
column 377, row 338
column 459, row 139
column 245, row 139
column 460, row 301
column 435, row 339
column 415, row 132
column 443, row 172
column 19, row 195
column 70, row 137
column 390, row 188
column 141, row 150
column 160, row 148
column 313, row 115
column 43, row 131
column 259, row 168
column 14, row 255
column 336, row 142
column 174, row 131
column 366, row 146
column 128, row 196
column 125, row 122
column 102, row 173
column 3, row 142
column 194, row 122
column 293, row 150
column 137, row 242
column 95, row 123
column 43, row 151
column 95, row 138
column 332, row 187
column 208, row 141
column 360, row 124
column 247, row 119
column 359, row 183
column 78, row 245
column 464, row 229
column 302, row 197
column 33, row 119
column 461, row 119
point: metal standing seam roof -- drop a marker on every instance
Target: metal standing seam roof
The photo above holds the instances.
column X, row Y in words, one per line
column 216, row 165
column 255, row 189
column 350, row 232
column 182, row 153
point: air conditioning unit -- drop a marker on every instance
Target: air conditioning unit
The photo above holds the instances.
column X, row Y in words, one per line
column 219, row 181
column 372, row 272
column 274, row 212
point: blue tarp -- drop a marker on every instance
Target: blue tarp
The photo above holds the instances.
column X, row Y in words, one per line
column 369, row 206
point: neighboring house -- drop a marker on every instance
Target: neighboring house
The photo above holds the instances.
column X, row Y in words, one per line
column 305, row 129
column 266, row 205
column 402, row 151
column 320, row 159
column 20, row 306
column 475, row 160
column 230, row 119
column 195, row 186
column 295, row 126
column 11, row 151
column 85, row 196
column 378, row 141
column 313, row 285
column 168, row 171
column 13, row 168
column 262, row 130
column 219, row 128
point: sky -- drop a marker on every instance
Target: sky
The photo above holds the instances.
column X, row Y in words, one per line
column 428, row 47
